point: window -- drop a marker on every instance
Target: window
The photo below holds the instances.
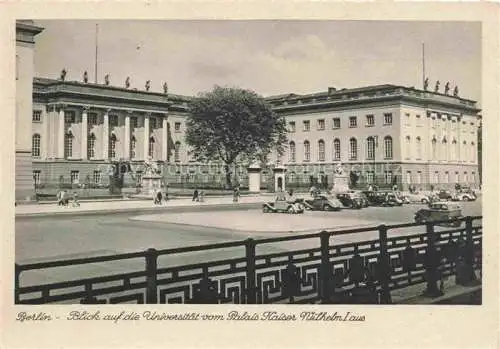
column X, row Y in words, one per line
column 291, row 177
column 133, row 144
column 68, row 145
column 292, row 152
column 307, row 125
column 307, row 151
column 434, row 122
column 321, row 150
column 419, row 177
column 465, row 177
column 336, row 149
column 177, row 152
column 134, row 122
column 408, row 177
column 444, row 148
column 97, row 177
column 370, row 148
column 473, row 177
column 457, row 179
column 472, row 152
column 407, row 119
column 463, row 155
column 91, row 146
column 92, row 119
column 418, row 147
column 151, row 148
column 75, row 177
column 69, row 117
column 291, row 126
column 370, row 177
column 388, row 119
column 353, row 121
column 177, row 127
column 138, row 176
column 407, row 147
column 433, row 149
column 113, row 120
column 152, row 124
column 35, row 145
column 36, row 177
column 436, row 177
column 37, row 115
column 388, row 177
column 388, row 147
column 321, row 124
column 370, row 120
column 419, row 120
column 453, row 155
column 447, row 177
column 353, row 149
column 336, row 122
column 453, row 125
column 112, row 147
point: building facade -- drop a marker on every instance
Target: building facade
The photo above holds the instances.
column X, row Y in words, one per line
column 384, row 134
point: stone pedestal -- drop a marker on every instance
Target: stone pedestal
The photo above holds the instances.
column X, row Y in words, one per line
column 150, row 183
column 254, row 178
column 279, row 178
column 340, row 183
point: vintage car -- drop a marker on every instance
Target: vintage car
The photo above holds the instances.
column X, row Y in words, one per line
column 416, row 197
column 350, row 200
column 464, row 195
column 359, row 194
column 445, row 195
column 439, row 211
column 323, row 203
column 282, row 204
column 380, row 198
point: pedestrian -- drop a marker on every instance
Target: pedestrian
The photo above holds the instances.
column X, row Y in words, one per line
column 195, row 195
column 75, row 202
column 59, row 197
column 236, row 194
column 65, row 198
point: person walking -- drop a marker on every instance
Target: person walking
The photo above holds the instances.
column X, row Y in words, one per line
column 236, row 194
column 75, row 202
column 195, row 195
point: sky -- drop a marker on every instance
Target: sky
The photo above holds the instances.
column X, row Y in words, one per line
column 269, row 57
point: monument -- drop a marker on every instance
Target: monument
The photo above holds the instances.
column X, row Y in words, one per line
column 340, row 180
column 151, row 179
column 254, row 177
column 279, row 177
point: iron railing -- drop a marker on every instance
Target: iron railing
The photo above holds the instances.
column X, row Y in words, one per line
column 367, row 268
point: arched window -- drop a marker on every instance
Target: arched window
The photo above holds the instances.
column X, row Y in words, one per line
column 433, row 148
column 418, row 147
column 133, row 144
column 35, row 145
column 388, row 147
column 307, row 151
column 407, row 147
column 177, row 153
column 336, row 149
column 151, row 148
column 370, row 148
column 321, row 150
column 112, row 146
column 291, row 177
column 91, row 146
column 444, row 149
column 292, row 151
column 68, row 145
column 353, row 149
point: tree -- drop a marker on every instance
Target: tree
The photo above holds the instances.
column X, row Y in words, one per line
column 233, row 125
column 354, row 177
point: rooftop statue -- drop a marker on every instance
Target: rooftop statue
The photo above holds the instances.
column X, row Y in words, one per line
column 436, row 88
column 106, row 79
column 148, row 85
column 63, row 74
column 85, row 77
column 455, row 91
column 447, row 88
column 127, row 82
column 426, row 84
column 165, row 88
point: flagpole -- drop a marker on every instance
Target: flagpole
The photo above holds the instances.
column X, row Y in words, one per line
column 96, row 51
column 423, row 64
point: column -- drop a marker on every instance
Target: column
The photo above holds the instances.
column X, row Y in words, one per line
column 61, row 133
column 164, row 138
column 47, row 119
column 146, row 136
column 105, row 134
column 84, row 134
column 126, row 153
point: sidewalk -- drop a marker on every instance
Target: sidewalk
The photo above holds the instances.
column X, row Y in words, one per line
column 131, row 205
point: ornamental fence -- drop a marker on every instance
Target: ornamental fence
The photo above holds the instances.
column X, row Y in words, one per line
column 323, row 268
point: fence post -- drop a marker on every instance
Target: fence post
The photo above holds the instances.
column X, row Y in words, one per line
column 151, row 276
column 325, row 273
column 432, row 264
column 468, row 276
column 17, row 275
column 384, row 266
column 251, row 294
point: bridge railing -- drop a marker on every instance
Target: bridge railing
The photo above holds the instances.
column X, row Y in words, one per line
column 353, row 266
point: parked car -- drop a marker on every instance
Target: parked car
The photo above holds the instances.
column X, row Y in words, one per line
column 440, row 211
column 444, row 195
column 282, row 205
column 349, row 200
column 323, row 203
column 380, row 198
column 359, row 194
column 393, row 199
column 417, row 198
column 464, row 196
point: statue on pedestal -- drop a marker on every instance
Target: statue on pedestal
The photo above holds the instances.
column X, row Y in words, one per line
column 455, row 91
column 339, row 170
column 127, row 82
column 165, row 88
column 151, row 167
column 447, row 88
column 148, row 85
column 85, row 77
column 426, row 84
column 63, row 74
column 436, row 88
column 106, row 79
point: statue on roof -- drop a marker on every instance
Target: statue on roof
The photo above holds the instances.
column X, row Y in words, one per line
column 436, row 88
column 63, row 74
column 165, row 88
column 106, row 79
column 85, row 77
column 148, row 85
column 127, row 82
column 455, row 91
column 426, row 84
column 447, row 88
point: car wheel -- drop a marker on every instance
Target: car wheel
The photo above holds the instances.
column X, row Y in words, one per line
column 291, row 209
column 466, row 198
column 419, row 219
column 265, row 209
column 327, row 207
column 425, row 201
